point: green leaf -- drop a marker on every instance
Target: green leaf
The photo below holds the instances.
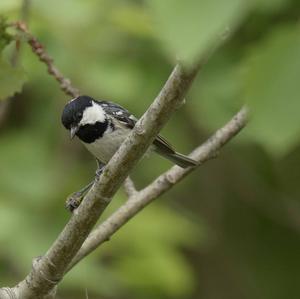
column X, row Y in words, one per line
column 5, row 37
column 215, row 93
column 132, row 19
column 12, row 78
column 188, row 28
column 271, row 87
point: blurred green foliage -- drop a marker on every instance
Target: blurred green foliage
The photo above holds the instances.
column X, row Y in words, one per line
column 12, row 77
column 231, row 229
column 186, row 27
column 272, row 72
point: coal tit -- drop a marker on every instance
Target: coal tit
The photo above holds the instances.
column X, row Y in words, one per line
column 102, row 126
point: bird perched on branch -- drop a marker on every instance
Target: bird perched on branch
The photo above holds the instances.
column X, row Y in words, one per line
column 102, row 126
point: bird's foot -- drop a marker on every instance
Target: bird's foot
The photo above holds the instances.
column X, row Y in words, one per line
column 74, row 200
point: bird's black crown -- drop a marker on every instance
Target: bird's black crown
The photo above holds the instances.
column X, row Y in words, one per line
column 73, row 111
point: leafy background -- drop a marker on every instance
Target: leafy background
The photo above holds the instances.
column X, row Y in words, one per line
column 231, row 229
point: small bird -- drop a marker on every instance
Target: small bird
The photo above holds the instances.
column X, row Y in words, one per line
column 102, row 126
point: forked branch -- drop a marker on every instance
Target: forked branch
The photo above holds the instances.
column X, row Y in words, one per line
column 138, row 200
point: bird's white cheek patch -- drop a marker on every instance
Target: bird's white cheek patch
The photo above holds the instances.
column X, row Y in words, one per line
column 92, row 115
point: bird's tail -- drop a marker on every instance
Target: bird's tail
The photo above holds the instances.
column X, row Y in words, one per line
column 179, row 159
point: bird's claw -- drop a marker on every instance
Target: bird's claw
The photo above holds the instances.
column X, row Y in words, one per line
column 99, row 171
column 74, row 200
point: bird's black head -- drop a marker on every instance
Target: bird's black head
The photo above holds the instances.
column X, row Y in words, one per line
column 73, row 111
column 84, row 117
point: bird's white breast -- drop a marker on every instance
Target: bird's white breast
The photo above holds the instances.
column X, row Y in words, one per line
column 105, row 147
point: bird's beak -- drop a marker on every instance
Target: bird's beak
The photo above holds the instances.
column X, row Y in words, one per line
column 74, row 130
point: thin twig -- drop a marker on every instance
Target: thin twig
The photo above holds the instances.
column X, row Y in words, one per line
column 39, row 50
column 159, row 186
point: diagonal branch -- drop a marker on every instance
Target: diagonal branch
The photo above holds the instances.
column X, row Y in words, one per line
column 50, row 269
column 159, row 186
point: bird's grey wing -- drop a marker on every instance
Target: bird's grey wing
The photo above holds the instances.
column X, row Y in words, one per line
column 120, row 113
column 128, row 119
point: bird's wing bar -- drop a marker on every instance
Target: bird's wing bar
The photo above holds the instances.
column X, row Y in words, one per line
column 120, row 113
